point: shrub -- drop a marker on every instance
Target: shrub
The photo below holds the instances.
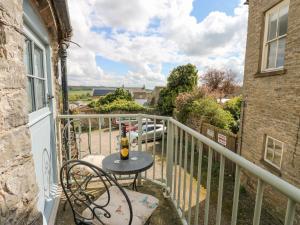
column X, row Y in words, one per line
column 119, row 93
column 234, row 107
column 120, row 105
column 184, row 100
column 211, row 112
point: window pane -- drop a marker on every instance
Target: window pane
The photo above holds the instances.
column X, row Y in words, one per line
column 272, row 26
column 40, row 93
column 277, row 159
column 278, row 147
column 280, row 52
column 30, row 94
column 38, row 62
column 270, row 143
column 270, row 154
column 28, row 56
column 283, row 20
column 271, row 54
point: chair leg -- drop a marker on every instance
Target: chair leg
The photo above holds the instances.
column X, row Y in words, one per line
column 148, row 221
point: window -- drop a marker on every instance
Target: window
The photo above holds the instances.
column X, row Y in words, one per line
column 273, row 152
column 276, row 23
column 36, row 81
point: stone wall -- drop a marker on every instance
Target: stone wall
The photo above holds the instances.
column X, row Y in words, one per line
column 272, row 102
column 18, row 189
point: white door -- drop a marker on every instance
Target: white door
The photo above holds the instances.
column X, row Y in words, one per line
column 41, row 124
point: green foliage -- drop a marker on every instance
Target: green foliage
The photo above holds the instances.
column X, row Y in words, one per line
column 119, row 93
column 79, row 95
column 182, row 79
column 166, row 101
column 119, row 100
column 234, row 107
column 120, row 105
column 184, row 101
column 196, row 104
column 211, row 112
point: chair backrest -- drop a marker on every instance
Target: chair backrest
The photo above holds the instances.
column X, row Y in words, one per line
column 82, row 189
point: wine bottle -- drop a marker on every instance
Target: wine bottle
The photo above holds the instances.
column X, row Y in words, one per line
column 124, row 145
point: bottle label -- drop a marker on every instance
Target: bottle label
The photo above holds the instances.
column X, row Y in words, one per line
column 124, row 152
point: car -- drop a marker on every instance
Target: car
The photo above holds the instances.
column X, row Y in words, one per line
column 125, row 120
column 148, row 133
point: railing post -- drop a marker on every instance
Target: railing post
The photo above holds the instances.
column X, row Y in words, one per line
column 169, row 157
column 140, row 142
column 140, row 132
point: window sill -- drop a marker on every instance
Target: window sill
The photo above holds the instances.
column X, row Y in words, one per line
column 271, row 73
column 271, row 168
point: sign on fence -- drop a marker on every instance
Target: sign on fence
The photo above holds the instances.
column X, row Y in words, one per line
column 210, row 133
column 222, row 139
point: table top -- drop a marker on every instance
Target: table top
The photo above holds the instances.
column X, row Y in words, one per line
column 137, row 162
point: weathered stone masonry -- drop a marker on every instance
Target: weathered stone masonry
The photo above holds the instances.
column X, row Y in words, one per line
column 18, row 189
column 272, row 103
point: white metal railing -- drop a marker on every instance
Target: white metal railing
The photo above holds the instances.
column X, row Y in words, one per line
column 175, row 160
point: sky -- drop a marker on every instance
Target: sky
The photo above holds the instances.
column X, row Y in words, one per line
column 139, row 42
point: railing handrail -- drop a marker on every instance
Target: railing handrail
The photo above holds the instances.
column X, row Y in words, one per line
column 284, row 187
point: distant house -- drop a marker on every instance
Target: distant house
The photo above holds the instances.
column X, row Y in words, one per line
column 270, row 122
column 98, row 92
column 140, row 95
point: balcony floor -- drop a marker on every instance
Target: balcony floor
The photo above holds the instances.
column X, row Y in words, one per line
column 165, row 214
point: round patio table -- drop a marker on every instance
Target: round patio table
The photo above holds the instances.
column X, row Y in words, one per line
column 138, row 162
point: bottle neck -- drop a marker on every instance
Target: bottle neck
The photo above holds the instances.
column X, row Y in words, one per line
column 123, row 131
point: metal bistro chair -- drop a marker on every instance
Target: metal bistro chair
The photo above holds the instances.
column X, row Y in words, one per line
column 102, row 201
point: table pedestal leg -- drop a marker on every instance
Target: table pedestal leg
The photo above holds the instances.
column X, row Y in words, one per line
column 134, row 185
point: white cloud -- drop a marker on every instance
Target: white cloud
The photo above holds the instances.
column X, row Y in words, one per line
column 146, row 34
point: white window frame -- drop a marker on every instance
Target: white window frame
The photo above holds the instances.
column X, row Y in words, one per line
column 266, row 151
column 265, row 41
column 35, row 41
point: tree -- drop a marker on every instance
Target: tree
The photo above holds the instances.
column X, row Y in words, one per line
column 219, row 82
column 182, row 79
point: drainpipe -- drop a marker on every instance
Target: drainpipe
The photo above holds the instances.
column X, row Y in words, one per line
column 64, row 79
column 64, row 85
column 241, row 133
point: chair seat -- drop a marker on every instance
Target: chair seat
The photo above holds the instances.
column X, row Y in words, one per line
column 143, row 206
column 93, row 159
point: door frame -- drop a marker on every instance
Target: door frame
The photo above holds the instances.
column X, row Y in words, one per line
column 35, row 28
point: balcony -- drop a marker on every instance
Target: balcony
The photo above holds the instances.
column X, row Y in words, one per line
column 196, row 180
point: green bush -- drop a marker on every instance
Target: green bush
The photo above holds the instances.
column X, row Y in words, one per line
column 119, row 93
column 234, row 107
column 184, row 101
column 120, row 105
column 211, row 112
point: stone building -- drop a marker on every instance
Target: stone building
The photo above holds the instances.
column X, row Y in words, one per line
column 270, row 134
column 31, row 34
